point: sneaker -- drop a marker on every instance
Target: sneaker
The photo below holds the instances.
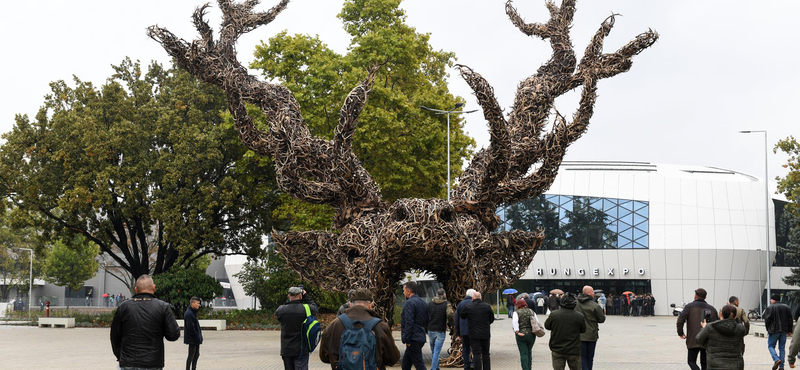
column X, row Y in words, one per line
column 776, row 364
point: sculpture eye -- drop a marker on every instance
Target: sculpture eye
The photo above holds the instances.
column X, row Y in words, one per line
column 446, row 215
column 400, row 214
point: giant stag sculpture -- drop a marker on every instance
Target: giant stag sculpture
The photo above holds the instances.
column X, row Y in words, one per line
column 376, row 243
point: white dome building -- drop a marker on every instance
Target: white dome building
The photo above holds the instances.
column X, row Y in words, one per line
column 665, row 229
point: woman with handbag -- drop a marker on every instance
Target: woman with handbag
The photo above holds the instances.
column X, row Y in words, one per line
column 523, row 332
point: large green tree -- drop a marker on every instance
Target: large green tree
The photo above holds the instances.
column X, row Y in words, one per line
column 179, row 285
column 145, row 166
column 789, row 186
column 401, row 146
column 71, row 263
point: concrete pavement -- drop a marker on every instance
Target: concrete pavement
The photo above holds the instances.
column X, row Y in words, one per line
column 625, row 343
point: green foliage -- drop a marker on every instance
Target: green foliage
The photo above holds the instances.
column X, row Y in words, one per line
column 401, row 146
column 71, row 263
column 269, row 280
column 790, row 187
column 245, row 319
column 83, row 317
column 533, row 215
column 179, row 285
column 15, row 263
column 145, row 166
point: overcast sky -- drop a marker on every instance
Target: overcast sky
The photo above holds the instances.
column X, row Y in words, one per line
column 719, row 66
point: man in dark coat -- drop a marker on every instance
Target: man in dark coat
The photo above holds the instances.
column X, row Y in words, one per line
column 139, row 325
column 594, row 316
column 566, row 326
column 624, row 304
column 693, row 314
column 414, row 323
column 462, row 329
column 723, row 341
column 386, row 352
column 480, row 317
column 192, row 335
column 778, row 321
column 617, row 301
column 291, row 316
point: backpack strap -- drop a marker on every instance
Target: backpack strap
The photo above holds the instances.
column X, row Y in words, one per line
column 348, row 323
column 369, row 325
column 308, row 310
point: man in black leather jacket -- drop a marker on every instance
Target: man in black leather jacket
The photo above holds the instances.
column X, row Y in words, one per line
column 138, row 326
column 778, row 321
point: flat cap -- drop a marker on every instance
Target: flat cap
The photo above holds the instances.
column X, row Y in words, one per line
column 362, row 294
column 295, row 290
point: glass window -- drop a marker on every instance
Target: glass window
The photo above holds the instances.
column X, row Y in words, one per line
column 575, row 222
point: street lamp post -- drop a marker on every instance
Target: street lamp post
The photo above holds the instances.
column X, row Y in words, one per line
column 447, row 112
column 766, row 207
column 30, row 282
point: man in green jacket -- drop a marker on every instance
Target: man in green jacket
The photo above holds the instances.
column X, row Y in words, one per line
column 593, row 314
column 566, row 326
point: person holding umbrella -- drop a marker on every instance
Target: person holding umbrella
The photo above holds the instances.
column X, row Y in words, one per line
column 510, row 301
column 554, row 302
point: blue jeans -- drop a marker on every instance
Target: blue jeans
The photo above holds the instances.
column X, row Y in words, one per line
column 779, row 339
column 436, row 338
column 510, row 311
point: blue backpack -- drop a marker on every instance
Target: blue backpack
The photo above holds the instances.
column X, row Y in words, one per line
column 311, row 330
column 357, row 346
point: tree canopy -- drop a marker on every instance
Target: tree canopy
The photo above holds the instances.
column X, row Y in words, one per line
column 401, row 146
column 146, row 167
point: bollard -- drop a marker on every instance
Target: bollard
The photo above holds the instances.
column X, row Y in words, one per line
column 47, row 313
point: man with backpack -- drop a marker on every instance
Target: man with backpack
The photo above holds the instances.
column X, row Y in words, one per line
column 358, row 330
column 292, row 315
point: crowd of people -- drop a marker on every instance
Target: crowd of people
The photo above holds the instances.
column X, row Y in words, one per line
column 358, row 336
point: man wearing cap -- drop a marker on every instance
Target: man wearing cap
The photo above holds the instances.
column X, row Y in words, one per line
column 693, row 315
column 291, row 316
column 778, row 321
column 386, row 352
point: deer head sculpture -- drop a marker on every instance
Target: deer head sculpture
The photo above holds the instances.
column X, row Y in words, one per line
column 377, row 243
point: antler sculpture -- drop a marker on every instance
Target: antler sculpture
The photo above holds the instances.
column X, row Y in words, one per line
column 455, row 240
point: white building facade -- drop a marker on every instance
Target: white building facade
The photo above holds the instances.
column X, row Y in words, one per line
column 647, row 228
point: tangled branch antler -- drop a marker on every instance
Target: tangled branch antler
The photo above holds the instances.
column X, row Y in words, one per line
column 499, row 174
column 457, row 241
column 312, row 169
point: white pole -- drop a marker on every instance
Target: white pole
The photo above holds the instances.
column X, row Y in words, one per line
column 766, row 213
column 30, row 286
column 760, row 308
column 448, row 155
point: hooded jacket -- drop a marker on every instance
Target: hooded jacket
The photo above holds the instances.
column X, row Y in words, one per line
column 386, row 352
column 138, row 331
column 566, row 326
column 723, row 342
column 593, row 314
column 437, row 314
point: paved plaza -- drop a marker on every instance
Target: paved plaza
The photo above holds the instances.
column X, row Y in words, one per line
column 625, row 343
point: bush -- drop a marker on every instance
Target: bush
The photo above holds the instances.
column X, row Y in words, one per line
column 244, row 319
column 179, row 285
column 83, row 318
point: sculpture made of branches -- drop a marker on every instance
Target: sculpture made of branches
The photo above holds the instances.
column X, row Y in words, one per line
column 455, row 240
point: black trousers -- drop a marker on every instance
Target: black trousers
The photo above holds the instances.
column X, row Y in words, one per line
column 194, row 354
column 480, row 354
column 692, row 358
column 465, row 350
column 413, row 355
